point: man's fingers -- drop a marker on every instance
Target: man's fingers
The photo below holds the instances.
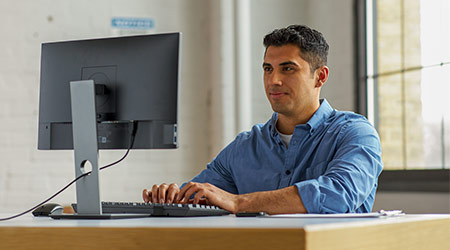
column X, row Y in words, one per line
column 146, row 195
column 162, row 193
column 172, row 192
column 155, row 194
column 198, row 196
column 180, row 195
column 190, row 190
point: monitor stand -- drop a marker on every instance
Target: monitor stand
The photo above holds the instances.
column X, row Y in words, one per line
column 84, row 127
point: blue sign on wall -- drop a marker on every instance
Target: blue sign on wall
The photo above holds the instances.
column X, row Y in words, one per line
column 132, row 23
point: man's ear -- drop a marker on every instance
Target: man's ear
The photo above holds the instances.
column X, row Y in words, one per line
column 322, row 76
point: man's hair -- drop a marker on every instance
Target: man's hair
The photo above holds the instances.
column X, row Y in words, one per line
column 312, row 44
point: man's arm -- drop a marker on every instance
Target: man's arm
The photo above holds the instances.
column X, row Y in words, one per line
column 281, row 201
column 349, row 180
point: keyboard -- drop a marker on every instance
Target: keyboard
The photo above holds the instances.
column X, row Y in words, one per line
column 160, row 209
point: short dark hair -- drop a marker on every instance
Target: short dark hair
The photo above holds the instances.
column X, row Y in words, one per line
column 313, row 46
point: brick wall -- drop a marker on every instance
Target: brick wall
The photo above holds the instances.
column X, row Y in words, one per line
column 399, row 99
column 27, row 175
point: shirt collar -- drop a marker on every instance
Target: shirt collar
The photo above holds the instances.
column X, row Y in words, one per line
column 273, row 124
column 323, row 112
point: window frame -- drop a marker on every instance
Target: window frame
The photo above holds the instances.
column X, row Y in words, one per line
column 406, row 180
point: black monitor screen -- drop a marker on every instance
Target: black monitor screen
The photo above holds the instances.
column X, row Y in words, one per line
column 136, row 79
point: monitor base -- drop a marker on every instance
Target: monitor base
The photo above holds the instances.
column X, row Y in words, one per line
column 97, row 216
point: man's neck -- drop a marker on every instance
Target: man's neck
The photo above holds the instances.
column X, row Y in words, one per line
column 286, row 123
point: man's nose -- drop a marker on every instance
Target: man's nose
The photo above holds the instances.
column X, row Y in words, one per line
column 275, row 78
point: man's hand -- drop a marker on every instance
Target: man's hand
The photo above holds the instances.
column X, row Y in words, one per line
column 163, row 193
column 213, row 195
column 285, row 200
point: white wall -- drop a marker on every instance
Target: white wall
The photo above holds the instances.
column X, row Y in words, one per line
column 28, row 176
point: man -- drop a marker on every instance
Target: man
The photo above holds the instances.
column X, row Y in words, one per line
column 308, row 158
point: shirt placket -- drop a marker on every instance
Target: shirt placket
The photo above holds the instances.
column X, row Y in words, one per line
column 294, row 149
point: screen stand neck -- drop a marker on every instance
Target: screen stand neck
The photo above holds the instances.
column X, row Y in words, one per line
column 84, row 128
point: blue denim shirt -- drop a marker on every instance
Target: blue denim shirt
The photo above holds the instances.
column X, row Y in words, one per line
column 334, row 160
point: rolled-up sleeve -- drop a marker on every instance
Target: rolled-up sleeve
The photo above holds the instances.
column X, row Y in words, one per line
column 350, row 178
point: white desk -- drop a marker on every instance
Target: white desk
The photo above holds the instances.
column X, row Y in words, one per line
column 228, row 232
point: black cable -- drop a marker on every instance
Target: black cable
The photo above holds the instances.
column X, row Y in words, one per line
column 133, row 134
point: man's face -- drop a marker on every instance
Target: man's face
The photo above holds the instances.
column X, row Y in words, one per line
column 289, row 84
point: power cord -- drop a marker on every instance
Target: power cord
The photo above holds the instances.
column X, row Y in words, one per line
column 132, row 137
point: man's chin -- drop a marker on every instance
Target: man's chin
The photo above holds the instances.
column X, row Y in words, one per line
column 279, row 109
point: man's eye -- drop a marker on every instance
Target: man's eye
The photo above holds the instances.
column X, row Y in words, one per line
column 287, row 68
column 267, row 69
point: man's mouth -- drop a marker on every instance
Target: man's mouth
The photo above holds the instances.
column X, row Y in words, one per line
column 277, row 94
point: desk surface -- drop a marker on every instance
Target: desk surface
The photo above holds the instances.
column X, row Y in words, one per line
column 229, row 232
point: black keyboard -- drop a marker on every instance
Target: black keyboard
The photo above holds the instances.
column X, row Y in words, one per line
column 160, row 209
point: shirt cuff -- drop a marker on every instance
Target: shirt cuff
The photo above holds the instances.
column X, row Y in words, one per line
column 310, row 194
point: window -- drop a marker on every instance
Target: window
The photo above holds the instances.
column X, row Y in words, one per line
column 408, row 81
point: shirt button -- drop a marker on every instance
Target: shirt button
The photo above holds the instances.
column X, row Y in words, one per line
column 288, row 172
column 294, row 141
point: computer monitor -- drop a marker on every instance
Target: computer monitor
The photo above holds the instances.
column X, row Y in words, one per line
column 139, row 75
column 94, row 92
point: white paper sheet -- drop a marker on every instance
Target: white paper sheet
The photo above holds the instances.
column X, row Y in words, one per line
column 380, row 213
